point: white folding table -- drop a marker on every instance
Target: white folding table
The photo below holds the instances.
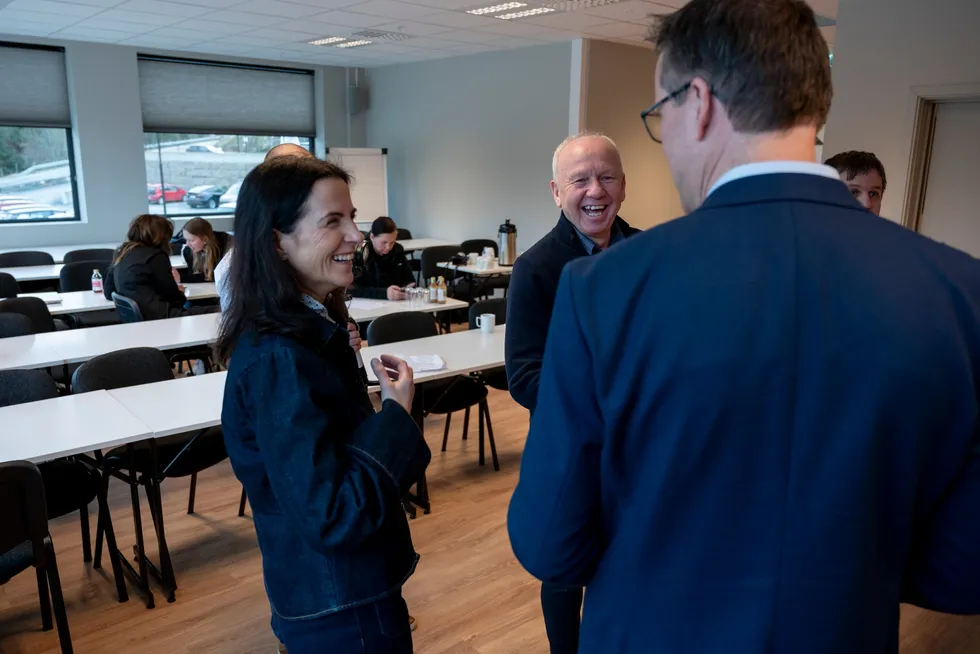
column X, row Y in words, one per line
column 65, row 426
column 416, row 244
column 84, row 301
column 53, row 271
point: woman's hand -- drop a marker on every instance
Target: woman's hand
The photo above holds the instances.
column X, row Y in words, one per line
column 395, row 293
column 396, row 380
column 355, row 337
column 176, row 275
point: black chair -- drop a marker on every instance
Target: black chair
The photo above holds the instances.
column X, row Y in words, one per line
column 25, row 542
column 432, row 257
column 15, row 324
column 102, row 255
column 486, row 285
column 8, row 286
column 25, row 258
column 35, row 309
column 149, row 462
column 77, row 276
column 176, row 247
column 443, row 396
column 496, row 378
column 70, row 484
column 404, row 234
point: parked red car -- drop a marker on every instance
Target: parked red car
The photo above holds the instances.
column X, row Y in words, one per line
column 158, row 194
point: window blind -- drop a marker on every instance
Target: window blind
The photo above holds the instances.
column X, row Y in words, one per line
column 33, row 87
column 180, row 96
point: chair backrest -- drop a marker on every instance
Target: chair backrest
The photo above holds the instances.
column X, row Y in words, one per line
column 102, row 255
column 405, row 326
column 25, row 258
column 21, row 386
column 127, row 309
column 130, row 367
column 23, row 513
column 404, row 234
column 176, row 247
column 77, row 276
column 433, row 256
column 15, row 324
column 8, row 286
column 477, row 245
column 32, row 307
column 497, row 306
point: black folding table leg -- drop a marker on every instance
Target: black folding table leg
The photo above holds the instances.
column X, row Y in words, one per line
column 86, row 535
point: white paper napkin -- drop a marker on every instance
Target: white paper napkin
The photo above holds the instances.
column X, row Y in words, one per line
column 423, row 362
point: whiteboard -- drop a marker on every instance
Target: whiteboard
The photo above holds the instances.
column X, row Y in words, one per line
column 369, row 188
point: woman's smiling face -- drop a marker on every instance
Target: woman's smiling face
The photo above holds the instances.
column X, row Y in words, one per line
column 320, row 249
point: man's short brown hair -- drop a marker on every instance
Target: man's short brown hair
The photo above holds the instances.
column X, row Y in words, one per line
column 854, row 162
column 765, row 60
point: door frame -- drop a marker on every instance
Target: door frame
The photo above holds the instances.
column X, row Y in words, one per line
column 924, row 108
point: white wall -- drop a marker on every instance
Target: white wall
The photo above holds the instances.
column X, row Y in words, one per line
column 107, row 126
column 882, row 49
column 619, row 84
column 470, row 140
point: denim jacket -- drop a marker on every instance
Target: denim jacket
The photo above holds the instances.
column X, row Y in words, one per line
column 324, row 473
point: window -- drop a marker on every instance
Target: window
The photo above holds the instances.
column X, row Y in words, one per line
column 37, row 169
column 199, row 174
column 208, row 124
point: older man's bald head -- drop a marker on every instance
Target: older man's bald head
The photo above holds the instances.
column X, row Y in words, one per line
column 287, row 150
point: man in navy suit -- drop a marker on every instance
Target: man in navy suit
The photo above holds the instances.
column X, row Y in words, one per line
column 757, row 425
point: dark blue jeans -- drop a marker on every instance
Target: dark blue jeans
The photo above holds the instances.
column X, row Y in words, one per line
column 562, row 609
column 377, row 628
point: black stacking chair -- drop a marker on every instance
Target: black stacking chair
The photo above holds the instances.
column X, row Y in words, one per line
column 25, row 258
column 25, row 542
column 414, row 264
column 149, row 462
column 127, row 309
column 70, row 484
column 35, row 309
column 486, row 285
column 496, row 378
column 8, row 286
column 404, row 234
column 100, row 255
column 77, row 276
column 15, row 324
column 443, row 396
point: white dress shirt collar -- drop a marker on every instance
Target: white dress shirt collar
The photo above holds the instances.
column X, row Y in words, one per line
column 774, row 167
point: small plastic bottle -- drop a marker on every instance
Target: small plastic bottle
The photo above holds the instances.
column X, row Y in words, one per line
column 96, row 281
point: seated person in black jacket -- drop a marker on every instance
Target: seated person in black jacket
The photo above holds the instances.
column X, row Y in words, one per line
column 142, row 272
column 386, row 270
column 204, row 250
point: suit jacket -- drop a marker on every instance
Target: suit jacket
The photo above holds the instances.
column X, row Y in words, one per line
column 757, row 430
column 530, row 299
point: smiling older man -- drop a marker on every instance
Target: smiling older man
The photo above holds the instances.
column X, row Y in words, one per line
column 589, row 187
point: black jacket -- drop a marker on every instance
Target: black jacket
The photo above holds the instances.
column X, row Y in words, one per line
column 144, row 276
column 188, row 275
column 530, row 301
column 380, row 272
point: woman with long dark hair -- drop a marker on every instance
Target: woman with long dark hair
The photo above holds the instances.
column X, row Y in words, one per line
column 204, row 250
column 142, row 272
column 324, row 472
column 386, row 271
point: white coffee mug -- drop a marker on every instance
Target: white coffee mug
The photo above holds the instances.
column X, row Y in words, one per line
column 486, row 322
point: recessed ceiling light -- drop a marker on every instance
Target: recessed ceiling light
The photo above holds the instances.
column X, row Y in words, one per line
column 330, row 40
column 353, row 44
column 496, row 8
column 524, row 14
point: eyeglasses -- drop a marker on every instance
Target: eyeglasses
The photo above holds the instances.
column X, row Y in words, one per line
column 651, row 117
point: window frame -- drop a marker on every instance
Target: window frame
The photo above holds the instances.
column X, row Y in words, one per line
column 197, row 213
column 72, row 179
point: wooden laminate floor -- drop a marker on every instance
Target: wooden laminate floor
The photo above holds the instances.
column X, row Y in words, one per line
column 469, row 594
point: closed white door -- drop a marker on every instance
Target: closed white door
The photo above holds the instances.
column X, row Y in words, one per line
column 952, row 207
